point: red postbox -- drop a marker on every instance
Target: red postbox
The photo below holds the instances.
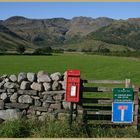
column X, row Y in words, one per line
column 73, row 86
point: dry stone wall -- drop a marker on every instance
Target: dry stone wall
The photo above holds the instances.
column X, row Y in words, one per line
column 33, row 95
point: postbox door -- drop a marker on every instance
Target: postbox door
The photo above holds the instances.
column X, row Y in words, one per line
column 73, row 87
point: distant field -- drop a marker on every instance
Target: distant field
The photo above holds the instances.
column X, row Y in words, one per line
column 91, row 66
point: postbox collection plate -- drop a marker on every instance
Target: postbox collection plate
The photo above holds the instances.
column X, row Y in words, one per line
column 123, row 94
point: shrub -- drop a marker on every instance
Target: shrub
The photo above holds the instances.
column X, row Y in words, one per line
column 2, row 49
column 14, row 129
column 21, row 49
column 71, row 50
column 58, row 50
column 45, row 50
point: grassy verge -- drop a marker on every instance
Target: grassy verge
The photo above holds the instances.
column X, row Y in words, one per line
column 61, row 129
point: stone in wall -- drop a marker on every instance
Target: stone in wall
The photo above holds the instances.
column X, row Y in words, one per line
column 56, row 76
column 46, row 104
column 37, row 102
column 58, row 97
column 9, row 95
column 6, row 80
column 4, row 76
column 25, row 85
column 55, row 106
column 36, row 108
column 22, row 77
column 11, row 85
column 38, row 113
column 10, row 114
column 31, row 111
column 2, row 90
column 63, row 84
column 32, row 117
column 32, row 77
column 35, row 97
column 27, row 92
column 24, row 112
column 41, row 72
column 40, row 95
column 16, row 105
column 1, row 104
column 65, row 76
column 25, row 99
column 47, row 86
column 1, row 85
column 13, row 78
column 11, row 90
column 56, row 86
column 14, row 97
column 47, row 97
column 43, row 76
column 48, row 116
column 37, row 86
column 4, row 96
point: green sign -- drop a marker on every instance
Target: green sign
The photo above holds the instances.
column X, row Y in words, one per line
column 123, row 94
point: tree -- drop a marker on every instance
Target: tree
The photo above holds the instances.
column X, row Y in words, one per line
column 2, row 49
column 38, row 51
column 46, row 50
column 21, row 49
column 104, row 50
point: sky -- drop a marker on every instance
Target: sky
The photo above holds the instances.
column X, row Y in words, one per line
column 44, row 10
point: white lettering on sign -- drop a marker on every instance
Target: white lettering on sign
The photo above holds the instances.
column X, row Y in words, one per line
column 122, row 108
column 73, row 91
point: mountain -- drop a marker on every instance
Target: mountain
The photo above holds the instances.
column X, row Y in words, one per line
column 134, row 20
column 84, row 25
column 53, row 31
column 39, row 32
column 66, row 33
column 9, row 39
column 122, row 33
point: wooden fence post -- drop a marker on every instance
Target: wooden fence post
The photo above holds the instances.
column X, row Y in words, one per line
column 127, row 83
column 136, row 106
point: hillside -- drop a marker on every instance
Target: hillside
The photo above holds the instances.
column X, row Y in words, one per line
column 10, row 40
column 122, row 33
column 39, row 32
column 84, row 25
column 65, row 33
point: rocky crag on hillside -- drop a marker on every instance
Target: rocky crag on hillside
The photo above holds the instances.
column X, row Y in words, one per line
column 33, row 95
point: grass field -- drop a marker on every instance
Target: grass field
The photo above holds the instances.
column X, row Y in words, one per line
column 91, row 66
